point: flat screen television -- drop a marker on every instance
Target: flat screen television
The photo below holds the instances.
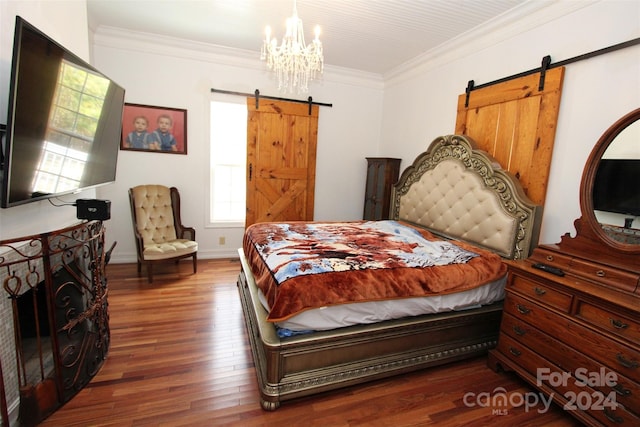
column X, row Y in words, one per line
column 617, row 186
column 64, row 122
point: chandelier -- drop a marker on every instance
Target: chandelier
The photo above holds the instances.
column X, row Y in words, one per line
column 293, row 61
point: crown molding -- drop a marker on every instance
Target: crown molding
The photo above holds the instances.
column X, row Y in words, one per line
column 134, row 41
column 140, row 42
column 516, row 21
column 523, row 18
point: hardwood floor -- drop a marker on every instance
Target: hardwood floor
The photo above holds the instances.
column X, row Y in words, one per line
column 179, row 356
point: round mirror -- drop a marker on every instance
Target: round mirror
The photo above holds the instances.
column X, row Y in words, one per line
column 610, row 192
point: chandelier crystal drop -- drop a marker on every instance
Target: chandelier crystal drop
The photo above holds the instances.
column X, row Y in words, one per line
column 294, row 63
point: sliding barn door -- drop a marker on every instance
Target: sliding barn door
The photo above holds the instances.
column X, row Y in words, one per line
column 515, row 122
column 281, row 161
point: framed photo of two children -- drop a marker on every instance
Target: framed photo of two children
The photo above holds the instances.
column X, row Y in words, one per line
column 154, row 129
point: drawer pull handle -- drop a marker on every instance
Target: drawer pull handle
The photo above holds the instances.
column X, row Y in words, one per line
column 631, row 364
column 518, row 330
column 549, row 257
column 515, row 351
column 600, row 273
column 539, row 291
column 612, row 417
column 621, row 390
column 618, row 324
column 522, row 309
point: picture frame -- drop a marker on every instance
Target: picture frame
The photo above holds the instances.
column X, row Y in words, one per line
column 165, row 130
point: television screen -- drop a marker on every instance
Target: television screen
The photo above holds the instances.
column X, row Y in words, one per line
column 617, row 186
column 64, row 122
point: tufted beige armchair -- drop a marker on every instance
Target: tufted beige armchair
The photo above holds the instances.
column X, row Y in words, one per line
column 159, row 233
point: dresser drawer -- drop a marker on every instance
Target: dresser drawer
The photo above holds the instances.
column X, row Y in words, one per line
column 539, row 291
column 605, row 275
column 568, row 394
column 619, row 357
column 554, row 259
column 567, row 359
column 609, row 321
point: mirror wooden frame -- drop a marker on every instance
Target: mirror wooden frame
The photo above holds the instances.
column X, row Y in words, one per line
column 588, row 178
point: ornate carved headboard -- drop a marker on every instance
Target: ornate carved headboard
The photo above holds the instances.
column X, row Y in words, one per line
column 458, row 191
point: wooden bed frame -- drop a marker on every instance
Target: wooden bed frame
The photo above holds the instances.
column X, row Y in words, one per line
column 453, row 190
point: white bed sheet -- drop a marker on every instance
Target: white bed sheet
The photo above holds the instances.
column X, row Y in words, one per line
column 338, row 316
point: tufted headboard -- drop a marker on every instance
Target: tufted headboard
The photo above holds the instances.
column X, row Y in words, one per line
column 458, row 191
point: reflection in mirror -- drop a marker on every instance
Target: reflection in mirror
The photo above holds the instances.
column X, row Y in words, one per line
column 616, row 189
column 78, row 103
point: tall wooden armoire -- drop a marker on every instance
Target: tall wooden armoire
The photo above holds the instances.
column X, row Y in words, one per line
column 382, row 173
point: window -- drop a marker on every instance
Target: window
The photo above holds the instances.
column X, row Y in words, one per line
column 228, row 159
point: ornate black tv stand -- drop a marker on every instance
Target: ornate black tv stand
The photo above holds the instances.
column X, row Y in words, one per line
column 57, row 290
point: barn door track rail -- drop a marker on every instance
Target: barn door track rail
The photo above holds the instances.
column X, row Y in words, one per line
column 547, row 65
column 257, row 95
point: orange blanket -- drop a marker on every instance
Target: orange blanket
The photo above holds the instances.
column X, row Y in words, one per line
column 363, row 267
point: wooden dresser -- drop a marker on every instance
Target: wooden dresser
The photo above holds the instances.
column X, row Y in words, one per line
column 571, row 320
column 560, row 332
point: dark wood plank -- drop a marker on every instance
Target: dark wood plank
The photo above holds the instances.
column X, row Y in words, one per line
column 179, row 356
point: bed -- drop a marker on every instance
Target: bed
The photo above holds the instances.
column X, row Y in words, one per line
column 453, row 195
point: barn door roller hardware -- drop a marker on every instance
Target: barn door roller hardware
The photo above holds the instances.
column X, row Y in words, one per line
column 546, row 62
column 257, row 95
column 547, row 65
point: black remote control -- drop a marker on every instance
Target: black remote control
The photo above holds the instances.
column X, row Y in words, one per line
column 548, row 269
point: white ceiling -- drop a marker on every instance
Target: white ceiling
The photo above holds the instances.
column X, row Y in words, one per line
column 368, row 35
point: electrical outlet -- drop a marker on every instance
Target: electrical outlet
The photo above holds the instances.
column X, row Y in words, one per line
column 222, row 240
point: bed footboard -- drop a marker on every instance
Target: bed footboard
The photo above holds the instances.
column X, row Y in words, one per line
column 303, row 365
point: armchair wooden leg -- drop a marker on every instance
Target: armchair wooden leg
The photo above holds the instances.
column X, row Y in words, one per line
column 195, row 263
column 150, row 272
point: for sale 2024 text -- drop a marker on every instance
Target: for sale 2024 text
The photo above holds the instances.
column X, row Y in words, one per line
column 582, row 399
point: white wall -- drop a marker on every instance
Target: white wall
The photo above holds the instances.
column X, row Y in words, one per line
column 66, row 22
column 420, row 102
column 180, row 74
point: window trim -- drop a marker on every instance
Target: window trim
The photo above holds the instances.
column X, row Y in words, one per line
column 208, row 223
